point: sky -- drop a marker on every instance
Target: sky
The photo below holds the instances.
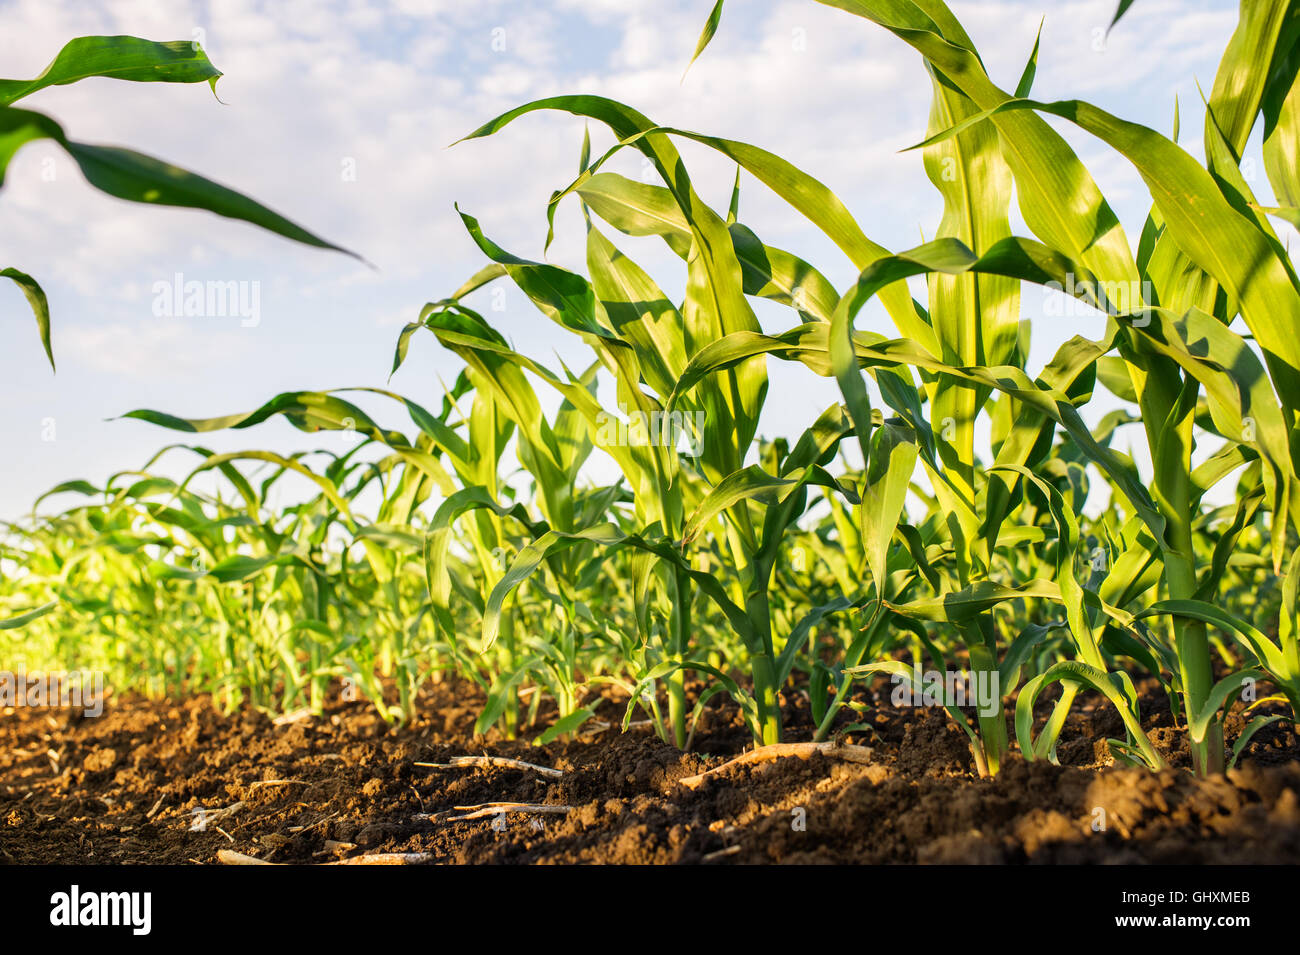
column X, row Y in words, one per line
column 339, row 115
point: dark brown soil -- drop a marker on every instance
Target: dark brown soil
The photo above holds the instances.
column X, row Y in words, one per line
column 127, row 787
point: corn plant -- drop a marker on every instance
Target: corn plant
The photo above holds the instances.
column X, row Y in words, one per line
column 1190, row 290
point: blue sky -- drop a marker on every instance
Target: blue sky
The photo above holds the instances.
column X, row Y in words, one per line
column 316, row 89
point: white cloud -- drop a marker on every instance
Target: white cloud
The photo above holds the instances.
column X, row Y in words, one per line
column 172, row 350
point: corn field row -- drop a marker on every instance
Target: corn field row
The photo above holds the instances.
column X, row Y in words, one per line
column 464, row 536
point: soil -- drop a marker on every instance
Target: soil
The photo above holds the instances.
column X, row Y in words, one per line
column 147, row 781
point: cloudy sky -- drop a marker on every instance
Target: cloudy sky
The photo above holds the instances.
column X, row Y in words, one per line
column 339, row 114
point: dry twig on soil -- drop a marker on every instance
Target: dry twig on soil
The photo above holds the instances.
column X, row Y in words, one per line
column 386, row 858
column 483, row 810
column 230, row 857
column 460, row 762
column 851, row 753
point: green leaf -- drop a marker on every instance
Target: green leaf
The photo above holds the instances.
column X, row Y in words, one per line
column 1120, row 10
column 1058, row 198
column 888, row 476
column 1018, row 652
column 13, row 623
column 1014, row 258
column 905, row 671
column 810, row 197
column 798, row 637
column 1265, row 651
column 39, row 303
column 1214, row 235
column 1218, row 696
column 136, row 177
column 240, row 567
column 710, row 28
column 1281, row 107
column 1122, row 696
column 1253, row 727
column 568, row 724
column 564, row 297
column 1289, row 214
column 636, row 208
column 1031, row 68
column 119, row 58
column 607, row 535
column 975, row 316
column 1253, row 65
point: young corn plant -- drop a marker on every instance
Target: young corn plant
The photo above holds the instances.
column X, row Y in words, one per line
column 645, row 341
column 1183, row 290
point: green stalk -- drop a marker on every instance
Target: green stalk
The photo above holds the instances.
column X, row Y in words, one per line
column 511, row 714
column 856, row 652
column 1195, row 664
column 765, row 692
column 318, row 680
column 981, row 640
column 679, row 638
column 759, row 610
column 1168, row 412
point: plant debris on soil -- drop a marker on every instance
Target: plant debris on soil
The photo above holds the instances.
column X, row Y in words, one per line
column 180, row 782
